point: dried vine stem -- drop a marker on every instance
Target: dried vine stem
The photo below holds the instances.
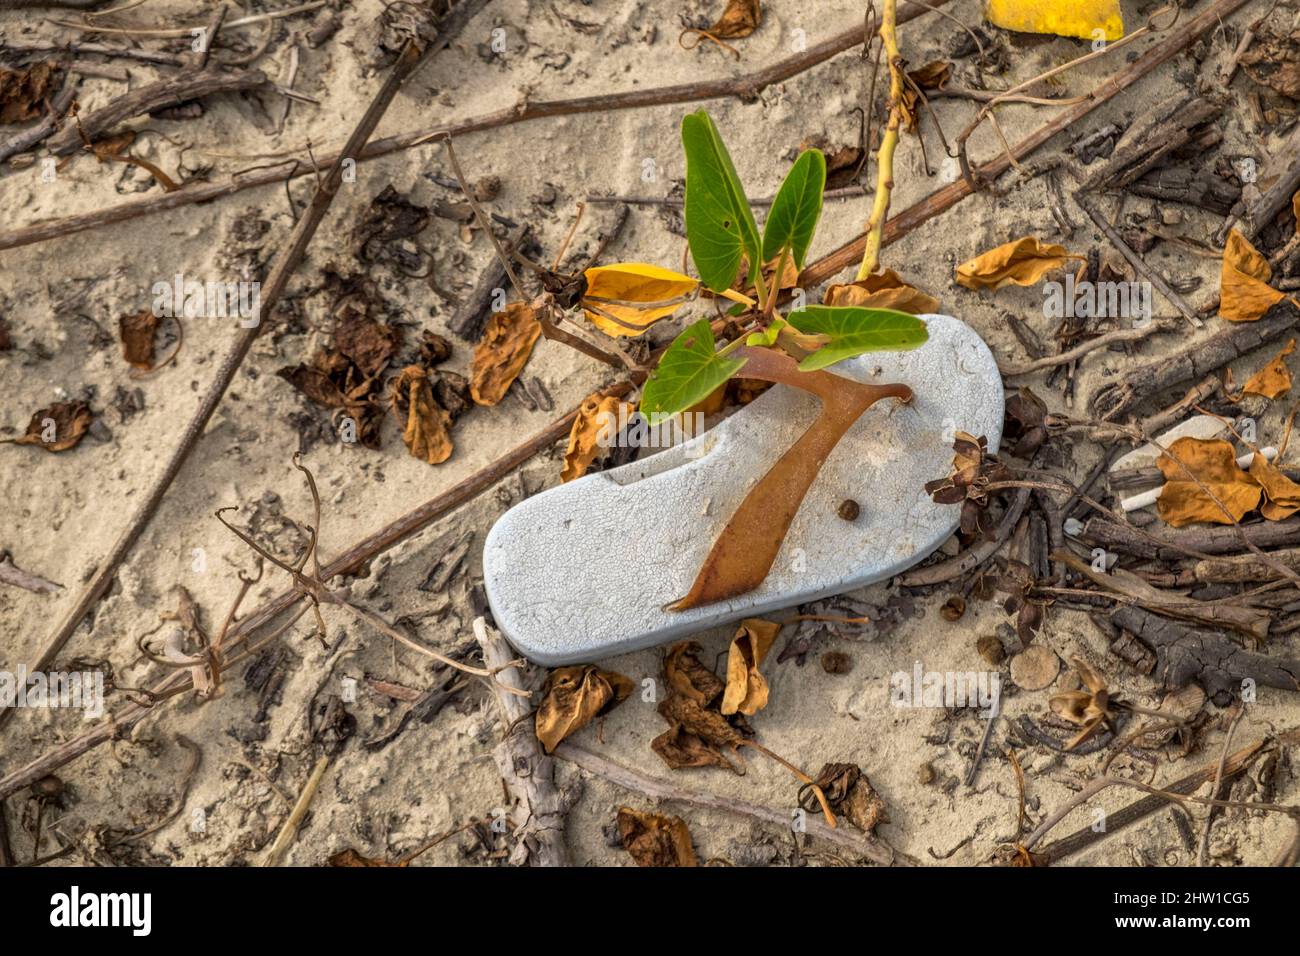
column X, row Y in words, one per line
column 888, row 141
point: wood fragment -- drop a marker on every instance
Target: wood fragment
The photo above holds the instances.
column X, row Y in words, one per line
column 289, row 829
column 32, row 137
column 528, row 773
column 1219, row 665
column 154, row 96
column 15, row 576
column 1194, row 360
column 1172, row 544
column 1244, row 568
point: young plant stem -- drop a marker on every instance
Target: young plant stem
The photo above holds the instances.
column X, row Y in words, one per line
column 888, row 142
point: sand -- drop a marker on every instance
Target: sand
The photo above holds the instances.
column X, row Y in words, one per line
column 63, row 298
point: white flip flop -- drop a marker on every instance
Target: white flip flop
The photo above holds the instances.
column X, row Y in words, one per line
column 583, row 571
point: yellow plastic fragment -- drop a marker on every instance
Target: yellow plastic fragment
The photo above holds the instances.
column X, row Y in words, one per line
column 1085, row 19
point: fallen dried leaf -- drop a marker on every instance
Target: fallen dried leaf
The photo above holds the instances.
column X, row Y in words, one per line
column 1022, row 262
column 655, row 839
column 137, row 332
column 572, row 697
column 1281, row 494
column 1244, row 292
column 686, row 674
column 23, row 92
column 58, row 427
column 503, row 352
column 747, row 690
column 1274, row 379
column 626, row 298
column 884, row 290
column 1213, row 463
column 1273, row 60
column 850, row 794
column 426, row 433
column 739, row 19
column 592, row 431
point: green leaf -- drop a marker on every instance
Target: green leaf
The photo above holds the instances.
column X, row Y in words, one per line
column 720, row 226
column 796, row 208
column 688, row 373
column 854, row 330
column 768, row 336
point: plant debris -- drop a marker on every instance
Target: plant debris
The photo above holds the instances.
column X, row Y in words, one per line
column 573, row 697
column 654, row 839
column 503, row 352
column 58, row 427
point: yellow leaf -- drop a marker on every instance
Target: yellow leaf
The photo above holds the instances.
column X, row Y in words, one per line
column 747, row 690
column 627, row 298
column 1214, row 464
column 1022, row 262
column 1244, row 292
column 1273, row 379
column 426, row 434
column 1064, row 18
column 503, row 352
column 883, row 290
column 596, row 423
column 1281, row 494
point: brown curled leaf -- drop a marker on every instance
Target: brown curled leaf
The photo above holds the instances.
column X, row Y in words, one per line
column 1281, row 494
column 23, row 92
column 747, row 689
column 573, row 697
column 883, row 290
column 738, row 20
column 58, row 427
column 426, row 433
column 686, row 674
column 591, row 432
column 137, row 332
column 655, row 839
column 1274, row 379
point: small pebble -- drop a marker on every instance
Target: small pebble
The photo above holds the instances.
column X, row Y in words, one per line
column 849, row 510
